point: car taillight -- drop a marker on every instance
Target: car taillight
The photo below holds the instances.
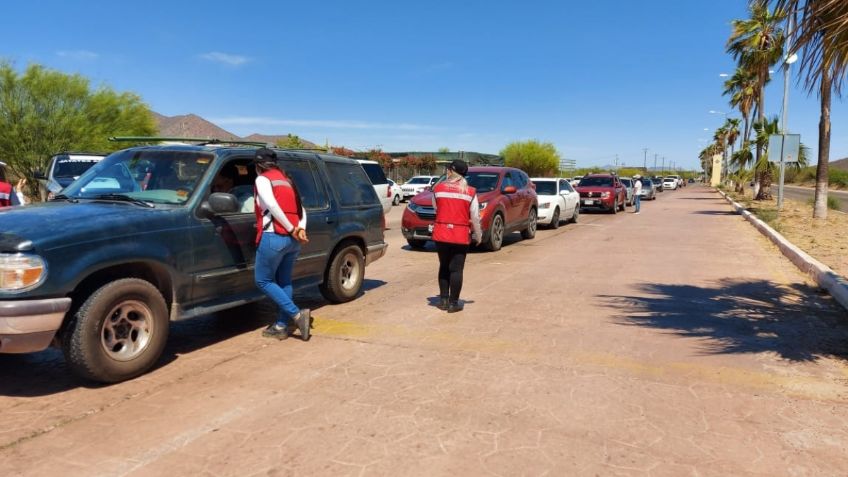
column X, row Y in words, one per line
column 388, row 191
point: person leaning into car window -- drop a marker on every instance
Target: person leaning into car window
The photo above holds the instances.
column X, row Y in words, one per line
column 457, row 212
column 10, row 195
column 280, row 229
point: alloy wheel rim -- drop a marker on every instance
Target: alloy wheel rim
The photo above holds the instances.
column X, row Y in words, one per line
column 127, row 330
column 532, row 226
column 498, row 230
column 349, row 272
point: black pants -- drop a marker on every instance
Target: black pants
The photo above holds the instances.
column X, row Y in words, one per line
column 451, row 263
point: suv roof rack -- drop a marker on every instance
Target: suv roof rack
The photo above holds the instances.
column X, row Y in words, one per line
column 202, row 141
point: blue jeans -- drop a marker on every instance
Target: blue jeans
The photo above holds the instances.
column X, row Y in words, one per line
column 275, row 258
column 637, row 201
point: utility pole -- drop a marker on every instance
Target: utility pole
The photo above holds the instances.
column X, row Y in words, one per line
column 645, row 163
column 787, row 62
column 663, row 167
column 616, row 161
column 655, row 163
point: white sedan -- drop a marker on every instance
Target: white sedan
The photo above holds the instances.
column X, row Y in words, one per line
column 558, row 201
column 670, row 183
column 396, row 192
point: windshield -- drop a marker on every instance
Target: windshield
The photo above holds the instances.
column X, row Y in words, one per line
column 419, row 180
column 596, row 182
column 164, row 177
column 483, row 181
column 73, row 166
column 626, row 182
column 546, row 187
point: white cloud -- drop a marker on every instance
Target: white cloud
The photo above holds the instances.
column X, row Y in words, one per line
column 315, row 123
column 225, row 58
column 82, row 55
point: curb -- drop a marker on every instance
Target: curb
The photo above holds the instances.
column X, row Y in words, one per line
column 823, row 275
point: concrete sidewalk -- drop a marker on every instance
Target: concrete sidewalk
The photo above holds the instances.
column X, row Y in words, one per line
column 673, row 342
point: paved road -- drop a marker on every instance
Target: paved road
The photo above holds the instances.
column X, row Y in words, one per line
column 805, row 194
column 674, row 342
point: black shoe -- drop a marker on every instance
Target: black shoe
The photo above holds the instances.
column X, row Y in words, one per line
column 454, row 307
column 303, row 322
column 443, row 303
column 276, row 331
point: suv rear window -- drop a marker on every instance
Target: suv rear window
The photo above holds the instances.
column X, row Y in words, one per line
column 353, row 188
column 375, row 173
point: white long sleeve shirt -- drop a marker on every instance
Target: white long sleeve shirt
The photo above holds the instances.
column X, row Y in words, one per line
column 265, row 193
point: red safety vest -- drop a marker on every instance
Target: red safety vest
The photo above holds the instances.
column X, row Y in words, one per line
column 453, row 213
column 5, row 194
column 286, row 197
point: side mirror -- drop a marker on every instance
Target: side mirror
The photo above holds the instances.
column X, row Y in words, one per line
column 219, row 203
column 510, row 190
column 39, row 175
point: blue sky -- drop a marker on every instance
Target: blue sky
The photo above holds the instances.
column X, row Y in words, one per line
column 598, row 79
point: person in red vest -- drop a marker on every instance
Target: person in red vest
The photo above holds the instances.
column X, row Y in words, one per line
column 457, row 213
column 8, row 195
column 280, row 230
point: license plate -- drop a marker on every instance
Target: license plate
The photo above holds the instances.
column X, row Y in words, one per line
column 430, row 228
column 588, row 201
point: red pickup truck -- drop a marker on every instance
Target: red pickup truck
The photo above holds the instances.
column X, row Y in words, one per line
column 602, row 192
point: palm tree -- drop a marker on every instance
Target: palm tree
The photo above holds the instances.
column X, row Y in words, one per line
column 732, row 126
column 757, row 44
column 822, row 39
column 741, row 87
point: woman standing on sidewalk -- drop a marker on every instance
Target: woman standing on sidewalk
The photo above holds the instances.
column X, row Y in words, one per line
column 457, row 212
column 280, row 229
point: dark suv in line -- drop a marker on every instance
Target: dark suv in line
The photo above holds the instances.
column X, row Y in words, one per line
column 160, row 233
column 603, row 192
column 507, row 202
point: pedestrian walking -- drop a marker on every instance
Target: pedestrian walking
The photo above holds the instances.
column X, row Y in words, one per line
column 9, row 194
column 280, row 231
column 637, row 192
column 457, row 214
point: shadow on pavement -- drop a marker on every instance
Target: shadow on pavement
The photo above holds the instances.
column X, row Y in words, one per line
column 45, row 373
column 740, row 316
column 715, row 212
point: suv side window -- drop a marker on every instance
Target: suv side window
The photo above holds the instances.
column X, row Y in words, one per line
column 352, row 186
column 303, row 173
column 507, row 181
column 565, row 186
column 521, row 180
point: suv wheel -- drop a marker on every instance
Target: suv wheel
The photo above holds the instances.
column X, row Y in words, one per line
column 555, row 219
column 396, row 200
column 118, row 333
column 614, row 206
column 530, row 231
column 345, row 274
column 496, row 234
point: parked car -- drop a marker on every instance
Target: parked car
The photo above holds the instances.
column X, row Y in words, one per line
column 416, row 185
column 379, row 181
column 64, row 168
column 557, row 201
column 649, row 189
column 575, row 181
column 691, row 180
column 658, row 181
column 396, row 192
column 602, row 192
column 628, row 186
column 127, row 257
column 507, row 203
column 670, row 183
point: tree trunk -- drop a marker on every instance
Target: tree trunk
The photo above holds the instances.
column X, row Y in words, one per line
column 761, row 114
column 820, row 207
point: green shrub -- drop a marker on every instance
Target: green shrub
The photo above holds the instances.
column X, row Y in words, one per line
column 832, row 203
column 838, row 177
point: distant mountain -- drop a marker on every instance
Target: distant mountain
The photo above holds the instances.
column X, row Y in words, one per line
column 192, row 125
column 272, row 139
column 841, row 164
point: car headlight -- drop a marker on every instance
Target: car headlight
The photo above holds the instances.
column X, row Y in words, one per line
column 605, row 195
column 20, row 272
column 545, row 205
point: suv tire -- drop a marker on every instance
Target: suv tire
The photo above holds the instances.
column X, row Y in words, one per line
column 614, row 209
column 118, row 333
column 530, row 231
column 345, row 274
column 496, row 233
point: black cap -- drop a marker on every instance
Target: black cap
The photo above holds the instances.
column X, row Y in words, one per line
column 459, row 166
column 263, row 154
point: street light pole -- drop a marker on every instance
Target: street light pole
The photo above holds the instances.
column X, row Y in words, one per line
column 783, row 126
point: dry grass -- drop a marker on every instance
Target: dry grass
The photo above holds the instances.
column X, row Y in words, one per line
column 825, row 240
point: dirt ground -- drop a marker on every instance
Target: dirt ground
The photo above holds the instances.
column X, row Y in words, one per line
column 827, row 241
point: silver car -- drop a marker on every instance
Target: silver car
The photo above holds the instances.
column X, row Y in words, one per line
column 649, row 190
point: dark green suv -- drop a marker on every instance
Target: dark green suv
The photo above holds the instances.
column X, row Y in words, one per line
column 160, row 233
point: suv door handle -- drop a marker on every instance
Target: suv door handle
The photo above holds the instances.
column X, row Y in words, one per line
column 328, row 219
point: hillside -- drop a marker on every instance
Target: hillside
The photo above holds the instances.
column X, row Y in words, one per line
column 192, row 125
column 841, row 164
